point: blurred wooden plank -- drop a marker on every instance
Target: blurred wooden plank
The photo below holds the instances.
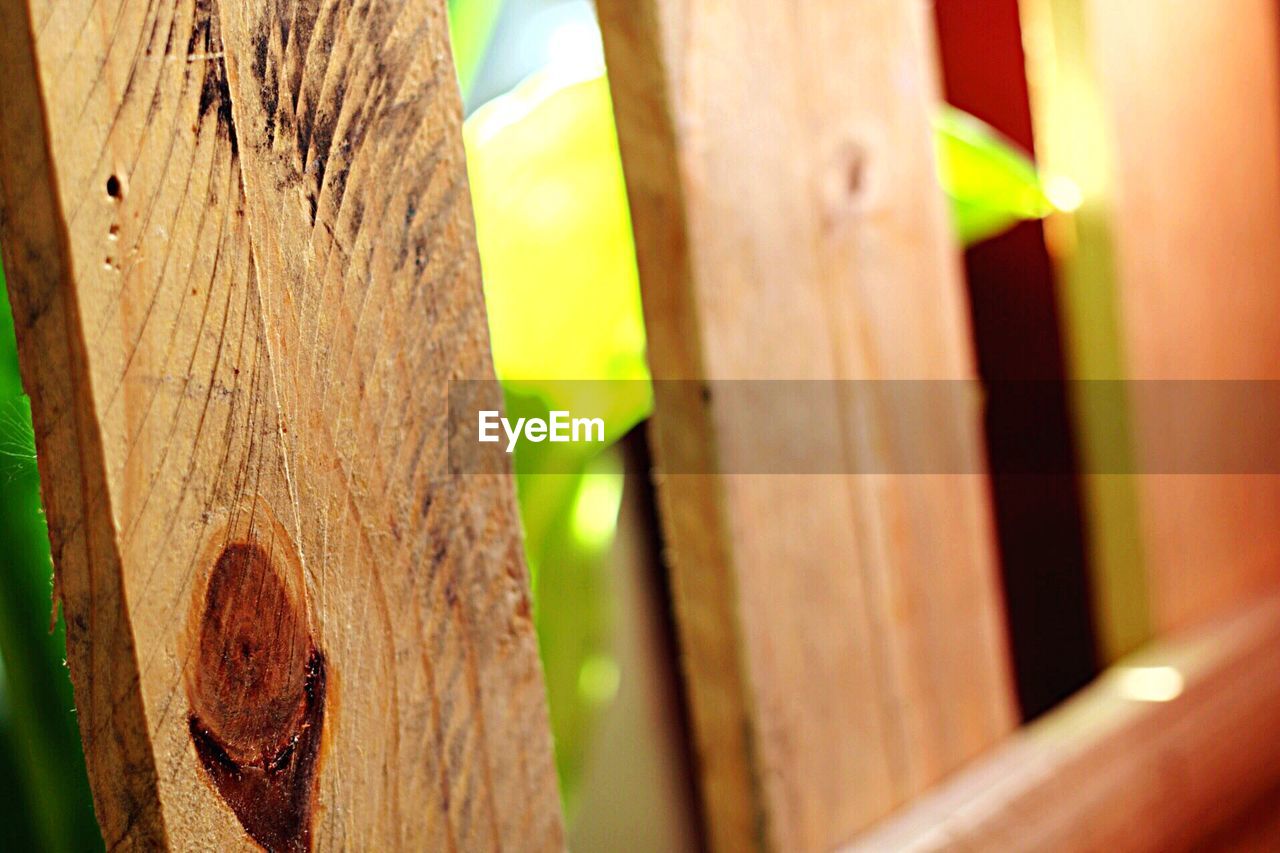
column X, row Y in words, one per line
column 1165, row 748
column 1255, row 830
column 242, row 267
column 1169, row 115
column 1191, row 93
column 842, row 635
column 1072, row 145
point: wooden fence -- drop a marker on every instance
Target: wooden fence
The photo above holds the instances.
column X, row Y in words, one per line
column 243, row 272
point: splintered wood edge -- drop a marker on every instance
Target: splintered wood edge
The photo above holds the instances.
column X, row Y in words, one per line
column 1165, row 747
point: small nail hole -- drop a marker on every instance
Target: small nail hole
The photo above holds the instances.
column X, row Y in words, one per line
column 850, row 185
column 855, row 174
column 113, row 187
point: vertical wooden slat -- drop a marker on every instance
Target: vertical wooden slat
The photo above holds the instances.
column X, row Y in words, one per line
column 1193, row 103
column 1188, row 104
column 1071, row 145
column 241, row 258
column 841, row 635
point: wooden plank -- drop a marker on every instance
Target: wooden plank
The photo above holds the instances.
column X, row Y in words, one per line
column 242, row 264
column 1192, row 100
column 1168, row 746
column 841, row 635
column 1072, row 145
column 1255, row 830
column 1177, row 143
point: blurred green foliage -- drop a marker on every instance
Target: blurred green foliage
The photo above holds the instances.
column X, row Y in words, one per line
column 47, row 805
column 563, row 297
column 990, row 183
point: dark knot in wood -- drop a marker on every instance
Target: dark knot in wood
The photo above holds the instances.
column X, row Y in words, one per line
column 257, row 698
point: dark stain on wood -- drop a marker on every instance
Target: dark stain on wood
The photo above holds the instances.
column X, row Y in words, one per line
column 257, row 698
column 320, row 116
column 205, row 51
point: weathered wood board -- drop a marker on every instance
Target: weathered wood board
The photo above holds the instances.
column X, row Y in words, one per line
column 241, row 257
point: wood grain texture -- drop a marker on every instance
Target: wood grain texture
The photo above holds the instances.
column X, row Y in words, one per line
column 841, row 635
column 241, row 257
column 1110, row 770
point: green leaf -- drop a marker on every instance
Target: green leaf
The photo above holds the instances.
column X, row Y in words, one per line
column 470, row 28
column 554, row 232
column 992, row 185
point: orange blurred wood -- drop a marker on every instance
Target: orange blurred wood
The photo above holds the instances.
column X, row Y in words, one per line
column 1191, row 96
column 1168, row 749
column 1167, row 117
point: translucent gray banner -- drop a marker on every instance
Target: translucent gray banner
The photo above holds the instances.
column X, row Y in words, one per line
column 877, row 426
